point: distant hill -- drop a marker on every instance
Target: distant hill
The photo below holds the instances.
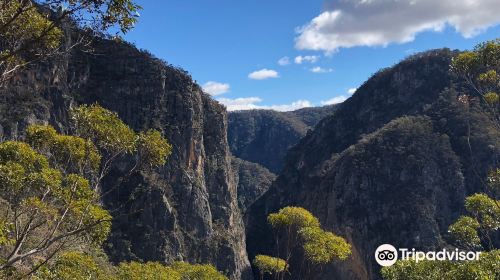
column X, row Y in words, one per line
column 264, row 136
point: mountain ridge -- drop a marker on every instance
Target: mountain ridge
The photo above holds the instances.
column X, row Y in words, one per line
column 391, row 165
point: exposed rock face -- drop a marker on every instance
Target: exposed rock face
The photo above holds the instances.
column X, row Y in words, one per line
column 253, row 181
column 391, row 165
column 264, row 136
column 186, row 210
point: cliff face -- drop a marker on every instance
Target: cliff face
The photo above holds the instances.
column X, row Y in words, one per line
column 392, row 165
column 264, row 136
column 252, row 179
column 186, row 210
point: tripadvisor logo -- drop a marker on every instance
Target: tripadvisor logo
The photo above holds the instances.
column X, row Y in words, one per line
column 387, row 255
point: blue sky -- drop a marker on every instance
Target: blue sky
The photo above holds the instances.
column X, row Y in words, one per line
column 223, row 41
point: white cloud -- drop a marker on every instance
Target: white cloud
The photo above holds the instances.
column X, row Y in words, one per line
column 319, row 70
column 248, row 103
column 307, row 58
column 351, row 91
column 244, row 103
column 381, row 22
column 263, row 74
column 334, row 100
column 215, row 88
column 290, row 107
column 284, row 61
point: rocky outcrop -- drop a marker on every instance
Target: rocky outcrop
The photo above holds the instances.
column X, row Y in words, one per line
column 252, row 179
column 391, row 165
column 264, row 136
column 186, row 210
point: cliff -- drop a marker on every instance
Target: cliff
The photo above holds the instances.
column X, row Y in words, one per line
column 186, row 210
column 392, row 165
column 252, row 179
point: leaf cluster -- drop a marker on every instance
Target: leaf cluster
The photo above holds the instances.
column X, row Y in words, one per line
column 269, row 265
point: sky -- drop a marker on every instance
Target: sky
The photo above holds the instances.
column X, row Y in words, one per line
column 285, row 55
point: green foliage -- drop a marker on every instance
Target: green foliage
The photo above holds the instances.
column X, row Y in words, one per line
column 67, row 152
column 22, row 154
column 197, row 271
column 146, row 271
column 489, row 77
column 485, row 210
column 104, row 128
column 5, row 233
column 49, row 191
column 270, row 265
column 479, row 68
column 296, row 226
column 321, row 247
column 29, row 26
column 465, row 63
column 486, row 268
column 73, row 266
column 113, row 137
column 153, row 148
column 491, row 98
column 178, row 270
column 30, row 30
column 296, row 217
column 468, row 232
column 45, row 205
column 464, row 232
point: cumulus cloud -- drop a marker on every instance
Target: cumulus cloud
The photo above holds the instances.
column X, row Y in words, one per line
column 263, row 74
column 215, row 88
column 307, row 58
column 284, row 61
column 381, row 22
column 320, row 70
column 334, row 100
column 244, row 103
column 248, row 103
column 352, row 90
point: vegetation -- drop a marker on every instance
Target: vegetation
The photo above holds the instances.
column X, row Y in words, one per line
column 487, row 268
column 50, row 187
column 480, row 69
column 79, row 266
column 269, row 265
column 197, row 271
column 33, row 30
column 299, row 233
column 476, row 231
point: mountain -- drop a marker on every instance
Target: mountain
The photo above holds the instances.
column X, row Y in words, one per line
column 252, row 179
column 186, row 210
column 264, row 136
column 391, row 165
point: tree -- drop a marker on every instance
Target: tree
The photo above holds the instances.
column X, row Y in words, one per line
column 72, row 265
column 176, row 271
column 50, row 185
column 299, row 232
column 114, row 138
column 480, row 69
column 197, row 271
column 44, row 207
column 269, row 265
column 486, row 268
column 146, row 271
column 32, row 30
column 472, row 232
